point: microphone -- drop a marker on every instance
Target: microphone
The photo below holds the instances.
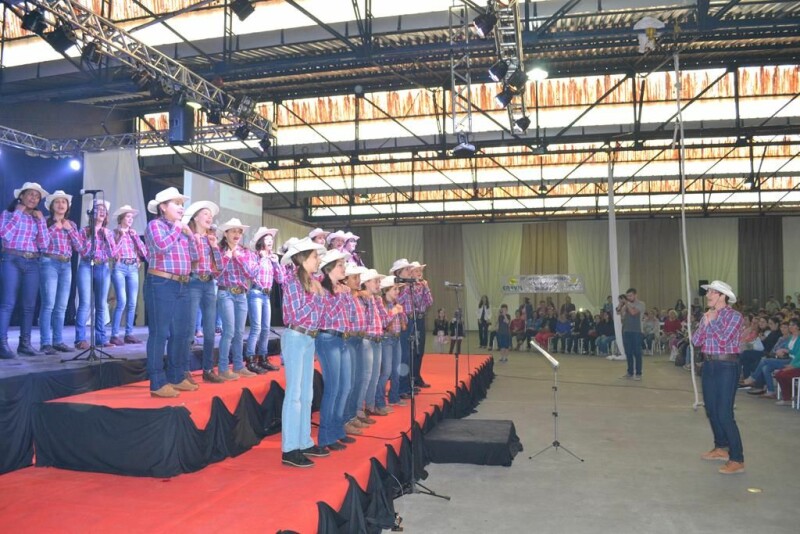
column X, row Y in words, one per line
column 213, row 227
column 401, row 280
column 453, row 284
column 90, row 191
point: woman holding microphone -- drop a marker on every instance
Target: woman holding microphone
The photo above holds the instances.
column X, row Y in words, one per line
column 125, row 274
column 258, row 299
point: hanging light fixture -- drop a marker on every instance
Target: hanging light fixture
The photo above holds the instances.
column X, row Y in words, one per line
column 522, row 123
column 504, row 97
column 484, row 24
column 498, row 71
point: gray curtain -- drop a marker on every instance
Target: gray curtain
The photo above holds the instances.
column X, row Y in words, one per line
column 760, row 259
column 544, row 251
column 444, row 254
column 655, row 256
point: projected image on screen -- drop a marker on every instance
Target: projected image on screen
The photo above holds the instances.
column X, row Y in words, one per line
column 232, row 201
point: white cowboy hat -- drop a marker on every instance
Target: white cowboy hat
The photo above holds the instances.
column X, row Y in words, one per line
column 354, row 269
column 288, row 243
column 261, row 232
column 30, row 185
column 334, row 235
column 402, row 263
column 722, row 287
column 194, row 207
column 166, row 195
column 317, row 232
column 106, row 203
column 233, row 223
column 417, row 265
column 388, row 281
column 123, row 210
column 331, row 256
column 301, row 246
column 350, row 235
column 370, row 274
column 58, row 194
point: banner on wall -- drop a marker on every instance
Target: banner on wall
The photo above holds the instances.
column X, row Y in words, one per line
column 542, row 283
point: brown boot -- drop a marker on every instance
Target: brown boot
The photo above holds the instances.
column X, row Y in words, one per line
column 732, row 468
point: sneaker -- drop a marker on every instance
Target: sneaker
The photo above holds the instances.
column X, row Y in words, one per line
column 732, row 468
column 352, row 429
column 245, row 372
column 185, row 385
column 165, row 392
column 116, row 340
column 49, row 350
column 759, row 391
column 229, row 375
column 783, row 403
column 296, row 459
column 626, row 376
column 367, row 420
column 212, row 377
column 637, row 377
column 716, row 454
column 317, row 452
column 336, row 446
column 356, row 423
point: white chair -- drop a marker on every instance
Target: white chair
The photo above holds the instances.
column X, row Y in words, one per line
column 796, row 393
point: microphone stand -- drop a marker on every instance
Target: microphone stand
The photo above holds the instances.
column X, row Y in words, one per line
column 458, row 344
column 92, row 354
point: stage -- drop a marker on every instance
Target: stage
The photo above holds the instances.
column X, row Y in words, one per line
column 250, row 490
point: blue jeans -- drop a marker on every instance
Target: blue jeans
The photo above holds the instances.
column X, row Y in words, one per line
column 16, row 272
column 604, row 344
column 260, row 309
column 335, row 363
column 203, row 301
column 233, row 311
column 390, row 370
column 297, row 351
column 763, row 373
column 355, row 350
column 170, row 325
column 374, row 348
column 56, row 278
column 632, row 342
column 363, row 375
column 126, row 286
column 420, row 349
column 483, row 333
column 101, row 285
column 720, row 381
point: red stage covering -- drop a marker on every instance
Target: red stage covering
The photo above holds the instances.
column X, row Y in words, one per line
column 253, row 491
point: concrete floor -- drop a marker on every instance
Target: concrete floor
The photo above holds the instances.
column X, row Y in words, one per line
column 641, row 442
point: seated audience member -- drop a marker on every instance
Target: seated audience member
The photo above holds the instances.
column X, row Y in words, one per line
column 792, row 369
column 563, row 333
column 650, row 330
column 547, row 329
column 760, row 381
column 518, row 329
column 440, row 329
column 605, row 334
column 751, row 347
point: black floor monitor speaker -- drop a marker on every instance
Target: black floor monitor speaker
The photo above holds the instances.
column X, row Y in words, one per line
column 700, row 290
column 181, row 124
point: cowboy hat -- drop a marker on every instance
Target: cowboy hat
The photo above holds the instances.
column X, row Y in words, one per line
column 334, row 235
column 370, row 274
column 261, row 232
column 388, row 281
column 301, row 246
column 354, row 269
column 350, row 235
column 106, row 203
column 170, row 193
column 288, row 243
column 721, row 287
column 123, row 210
column 194, row 207
column 417, row 265
column 233, row 223
column 58, row 194
column 331, row 256
column 30, row 185
column 402, row 263
column 317, row 232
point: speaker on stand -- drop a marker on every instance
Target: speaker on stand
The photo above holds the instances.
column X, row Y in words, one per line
column 181, row 124
column 700, row 290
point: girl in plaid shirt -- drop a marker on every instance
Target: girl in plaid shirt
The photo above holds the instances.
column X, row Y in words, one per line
column 356, row 327
column 394, row 322
column 125, row 274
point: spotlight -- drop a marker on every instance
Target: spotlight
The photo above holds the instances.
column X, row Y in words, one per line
column 484, row 24
column 75, row 164
column 245, row 107
column 364, row 197
column 159, row 89
column 537, row 74
column 33, row 21
column 90, row 53
column 542, row 188
column 464, row 149
column 242, row 8
column 62, row 38
column 265, row 143
column 516, row 82
column 504, row 97
column 242, row 132
column 522, row 123
column 498, row 71
column 213, row 116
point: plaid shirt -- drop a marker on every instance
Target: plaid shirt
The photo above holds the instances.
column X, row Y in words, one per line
column 237, row 271
column 105, row 246
column 63, row 242
column 171, row 250
column 354, row 313
column 393, row 323
column 422, row 298
column 374, row 324
column 720, row 336
column 300, row 308
column 129, row 246
column 333, row 316
column 268, row 272
column 203, row 265
column 20, row 231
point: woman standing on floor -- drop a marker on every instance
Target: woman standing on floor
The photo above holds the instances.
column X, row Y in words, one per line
column 203, row 284
column 239, row 268
column 302, row 303
column 356, row 326
column 332, row 353
column 394, row 322
column 23, row 233
column 484, row 320
column 125, row 274
column 371, row 286
column 258, row 299
column 100, row 251
column 172, row 250
column 504, row 332
column 55, row 268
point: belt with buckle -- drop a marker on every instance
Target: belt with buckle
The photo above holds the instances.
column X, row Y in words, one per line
column 182, row 278
column 21, row 253
column 727, row 357
column 236, row 290
column 203, row 277
column 303, row 330
column 129, row 261
column 62, row 259
column 260, row 290
column 332, row 332
column 96, row 261
column 374, row 339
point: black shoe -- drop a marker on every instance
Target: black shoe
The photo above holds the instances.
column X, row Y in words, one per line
column 49, row 350
column 757, row 391
column 296, row 459
column 346, row 439
column 253, row 368
column 423, row 384
column 405, row 395
column 317, row 452
column 5, row 351
column 270, row 367
column 25, row 348
column 212, row 378
column 60, row 347
column 336, row 446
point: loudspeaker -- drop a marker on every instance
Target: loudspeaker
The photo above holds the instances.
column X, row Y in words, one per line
column 181, row 124
column 700, row 290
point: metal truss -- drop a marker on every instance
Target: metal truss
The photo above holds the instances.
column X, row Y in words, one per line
column 24, row 141
column 508, row 43
column 460, row 78
column 106, row 39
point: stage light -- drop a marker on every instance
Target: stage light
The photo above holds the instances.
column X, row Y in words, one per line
column 33, row 21
column 522, row 123
column 464, row 149
column 242, row 132
column 504, row 97
column 242, row 8
column 484, row 24
column 537, row 74
column 498, row 71
column 213, row 116
column 542, row 188
column 90, row 53
column 516, row 82
column 62, row 38
column 75, row 164
column 265, row 143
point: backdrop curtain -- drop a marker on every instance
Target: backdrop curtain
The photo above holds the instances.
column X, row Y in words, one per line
column 393, row 242
column 655, row 261
column 791, row 257
column 713, row 252
column 544, row 251
column 760, row 259
column 491, row 253
column 587, row 256
column 286, row 228
column 444, row 254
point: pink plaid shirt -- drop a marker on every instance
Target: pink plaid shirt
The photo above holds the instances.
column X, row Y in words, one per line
column 333, row 316
column 300, row 308
column 422, row 299
column 206, row 252
column 20, row 231
column 237, row 271
column 171, row 250
column 269, row 272
column 720, row 336
column 354, row 314
column 105, row 246
column 63, row 242
column 130, row 246
column 393, row 323
column 374, row 324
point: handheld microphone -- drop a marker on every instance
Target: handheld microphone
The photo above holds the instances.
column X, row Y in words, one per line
column 90, row 191
column 453, row 284
column 213, row 227
column 401, row 280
